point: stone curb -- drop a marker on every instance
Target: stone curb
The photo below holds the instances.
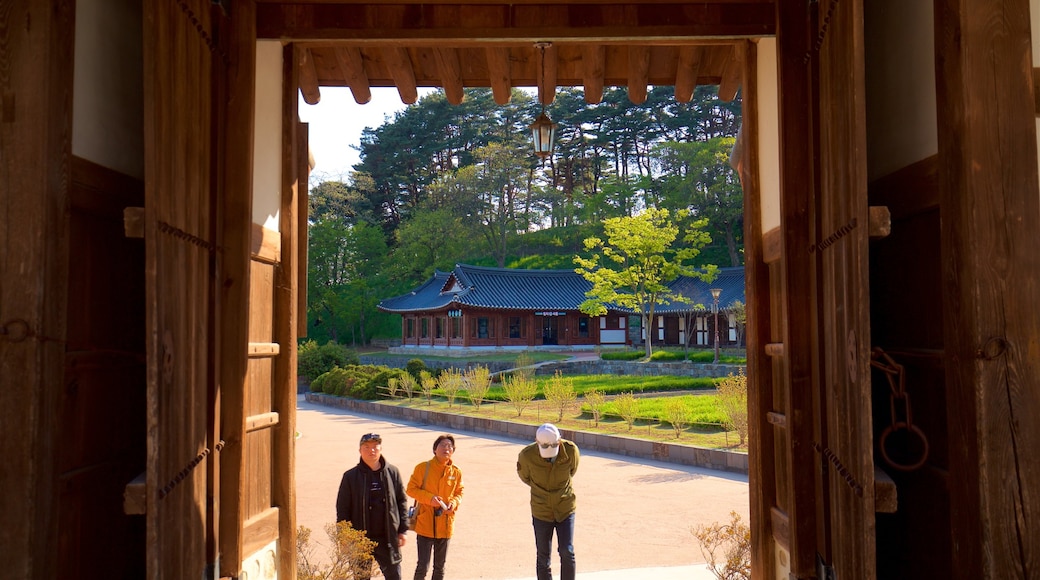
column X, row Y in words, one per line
column 632, row 447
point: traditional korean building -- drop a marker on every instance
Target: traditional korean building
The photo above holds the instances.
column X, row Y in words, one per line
column 474, row 306
column 693, row 323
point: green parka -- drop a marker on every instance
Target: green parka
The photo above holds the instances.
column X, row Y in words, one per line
column 552, row 497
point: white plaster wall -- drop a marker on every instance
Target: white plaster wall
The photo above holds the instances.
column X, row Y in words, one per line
column 267, row 146
column 108, row 85
column 900, row 79
column 768, row 134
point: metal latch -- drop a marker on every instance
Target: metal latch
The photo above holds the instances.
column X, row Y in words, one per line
column 823, row 570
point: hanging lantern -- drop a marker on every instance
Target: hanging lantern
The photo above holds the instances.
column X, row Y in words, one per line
column 543, row 135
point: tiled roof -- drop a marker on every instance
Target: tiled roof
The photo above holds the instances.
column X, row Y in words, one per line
column 513, row 289
column 730, row 280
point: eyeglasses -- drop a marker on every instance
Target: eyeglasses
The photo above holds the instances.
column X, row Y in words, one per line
column 548, row 445
column 371, row 437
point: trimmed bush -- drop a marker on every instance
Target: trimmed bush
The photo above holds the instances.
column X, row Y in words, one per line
column 313, row 361
column 415, row 367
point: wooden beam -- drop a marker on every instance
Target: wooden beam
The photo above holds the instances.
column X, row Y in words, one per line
column 35, row 148
column 261, row 421
column 731, row 75
column 880, row 221
column 990, row 229
column 638, row 72
column 886, row 498
column 518, row 21
column 771, row 246
column 133, row 222
column 595, row 59
column 546, row 72
column 260, row 530
column 400, row 66
column 266, row 244
column 236, row 240
column 308, row 78
column 1036, row 91
column 686, row 73
column 499, row 74
column 451, row 74
column 353, row 67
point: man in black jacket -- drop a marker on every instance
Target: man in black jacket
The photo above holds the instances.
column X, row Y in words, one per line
column 371, row 497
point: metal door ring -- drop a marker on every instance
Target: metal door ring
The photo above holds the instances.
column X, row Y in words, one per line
column 903, row 426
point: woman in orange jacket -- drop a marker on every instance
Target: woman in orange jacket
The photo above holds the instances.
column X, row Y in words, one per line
column 437, row 488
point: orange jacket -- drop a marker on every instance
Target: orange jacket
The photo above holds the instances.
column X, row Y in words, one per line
column 444, row 480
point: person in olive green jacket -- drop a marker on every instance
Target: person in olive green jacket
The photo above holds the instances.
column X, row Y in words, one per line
column 547, row 466
column 437, row 488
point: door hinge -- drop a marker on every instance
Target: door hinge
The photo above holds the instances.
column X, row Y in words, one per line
column 824, row 571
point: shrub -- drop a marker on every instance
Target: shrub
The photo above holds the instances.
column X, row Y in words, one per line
column 478, row 382
column 313, row 361
column 677, row 414
column 334, row 382
column 559, row 392
column 623, row 355
column 451, row 381
column 351, row 554
column 732, row 401
column 427, row 383
column 732, row 543
column 387, row 379
column 520, row 390
column 628, row 407
column 595, row 399
column 415, row 367
column 667, row 355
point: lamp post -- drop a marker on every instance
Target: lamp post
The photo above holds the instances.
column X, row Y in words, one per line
column 715, row 293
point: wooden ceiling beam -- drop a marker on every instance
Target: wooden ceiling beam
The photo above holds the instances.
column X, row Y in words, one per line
column 400, row 66
column 686, row 70
column 731, row 74
column 451, row 74
column 492, row 21
column 594, row 66
column 499, row 74
column 353, row 67
column 638, row 73
column 308, row 78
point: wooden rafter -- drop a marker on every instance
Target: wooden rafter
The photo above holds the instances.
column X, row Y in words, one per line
column 594, row 66
column 353, row 68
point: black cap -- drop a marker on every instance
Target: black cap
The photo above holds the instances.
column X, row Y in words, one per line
column 371, row 437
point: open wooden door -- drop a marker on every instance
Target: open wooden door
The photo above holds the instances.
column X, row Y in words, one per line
column 180, row 259
column 811, row 474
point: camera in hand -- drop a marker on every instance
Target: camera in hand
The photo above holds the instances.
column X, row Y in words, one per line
column 437, row 512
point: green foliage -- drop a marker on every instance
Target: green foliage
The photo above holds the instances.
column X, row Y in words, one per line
column 633, row 265
column 386, row 380
column 727, row 548
column 451, row 381
column 427, row 383
column 478, row 382
column 350, row 381
column 520, row 391
column 350, row 557
column 415, row 367
column 677, row 414
column 627, row 407
column 594, row 400
column 623, row 355
column 666, row 356
column 408, row 384
column 559, row 393
column 732, row 401
column 313, row 360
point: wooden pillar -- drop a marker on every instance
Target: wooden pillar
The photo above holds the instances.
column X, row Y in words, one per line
column 36, row 57
column 990, row 207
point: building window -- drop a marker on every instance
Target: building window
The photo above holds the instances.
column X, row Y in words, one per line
column 583, row 327
column 516, row 329
column 456, row 328
column 439, row 324
column 425, row 328
column 410, row 328
column 482, row 328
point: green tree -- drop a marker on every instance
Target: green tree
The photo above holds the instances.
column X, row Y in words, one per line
column 632, row 267
column 595, row 400
column 732, row 401
column 478, row 383
column 427, row 382
column 739, row 311
column 677, row 413
column 628, row 407
column 451, row 382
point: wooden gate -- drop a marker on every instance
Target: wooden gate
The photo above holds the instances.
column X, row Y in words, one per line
column 221, row 303
column 812, row 481
column 180, row 262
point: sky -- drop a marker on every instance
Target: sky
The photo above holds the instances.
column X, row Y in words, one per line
column 336, row 123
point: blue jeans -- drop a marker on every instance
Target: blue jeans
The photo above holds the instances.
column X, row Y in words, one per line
column 440, row 554
column 543, row 533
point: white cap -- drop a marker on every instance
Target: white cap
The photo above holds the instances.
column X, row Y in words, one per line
column 546, row 434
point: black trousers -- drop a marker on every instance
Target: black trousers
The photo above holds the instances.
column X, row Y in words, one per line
column 439, row 546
